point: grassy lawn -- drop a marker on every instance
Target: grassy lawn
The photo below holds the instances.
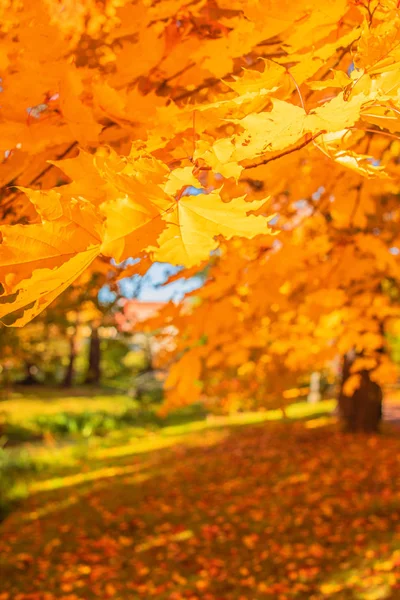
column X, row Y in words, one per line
column 270, row 510
column 26, row 404
column 42, row 415
column 49, row 436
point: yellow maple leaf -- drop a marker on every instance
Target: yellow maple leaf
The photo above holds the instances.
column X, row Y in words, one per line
column 38, row 281
column 194, row 222
column 129, row 227
column 340, row 79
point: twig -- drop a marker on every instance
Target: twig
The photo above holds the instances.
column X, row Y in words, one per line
column 50, row 166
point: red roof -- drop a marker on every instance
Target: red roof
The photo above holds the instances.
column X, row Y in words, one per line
column 135, row 311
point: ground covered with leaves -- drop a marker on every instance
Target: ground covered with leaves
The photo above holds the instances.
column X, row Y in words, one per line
column 274, row 511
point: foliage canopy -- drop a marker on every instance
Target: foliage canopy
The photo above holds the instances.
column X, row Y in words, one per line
column 164, row 131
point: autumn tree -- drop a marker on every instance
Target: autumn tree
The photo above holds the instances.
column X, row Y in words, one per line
column 159, row 130
column 271, row 312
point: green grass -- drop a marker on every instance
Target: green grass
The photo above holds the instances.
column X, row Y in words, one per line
column 72, row 449
column 27, row 404
column 29, row 415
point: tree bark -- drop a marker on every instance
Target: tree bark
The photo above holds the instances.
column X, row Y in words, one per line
column 362, row 411
column 93, row 373
column 69, row 373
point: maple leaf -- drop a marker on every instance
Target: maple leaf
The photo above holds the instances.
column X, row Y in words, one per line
column 272, row 77
column 339, row 79
column 195, row 221
column 360, row 163
column 46, row 257
column 125, row 238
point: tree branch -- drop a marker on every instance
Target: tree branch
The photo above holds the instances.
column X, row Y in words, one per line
column 50, row 166
column 289, row 151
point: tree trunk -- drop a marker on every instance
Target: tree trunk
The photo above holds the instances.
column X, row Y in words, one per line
column 69, row 373
column 362, row 411
column 93, row 372
column 149, row 355
column 29, row 378
column 6, row 387
column 314, row 395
